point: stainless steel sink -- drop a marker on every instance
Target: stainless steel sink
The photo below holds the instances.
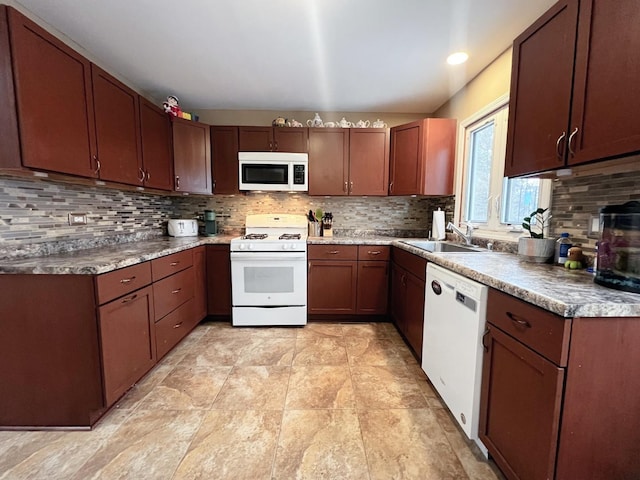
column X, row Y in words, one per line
column 444, row 247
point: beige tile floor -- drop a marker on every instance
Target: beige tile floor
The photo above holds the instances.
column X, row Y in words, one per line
column 327, row 401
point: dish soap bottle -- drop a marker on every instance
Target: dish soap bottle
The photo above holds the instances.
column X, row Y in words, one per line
column 563, row 244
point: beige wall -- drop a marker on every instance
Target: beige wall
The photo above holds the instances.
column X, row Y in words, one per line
column 265, row 117
column 490, row 84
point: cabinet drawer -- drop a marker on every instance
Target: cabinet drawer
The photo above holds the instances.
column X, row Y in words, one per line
column 173, row 328
column 165, row 266
column 538, row 329
column 171, row 292
column 373, row 252
column 333, row 252
column 120, row 282
column 410, row 262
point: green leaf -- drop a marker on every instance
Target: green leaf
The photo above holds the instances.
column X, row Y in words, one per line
column 541, row 210
column 527, row 219
column 536, row 235
column 526, row 226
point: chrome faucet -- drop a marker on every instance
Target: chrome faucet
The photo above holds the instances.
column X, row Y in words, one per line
column 466, row 236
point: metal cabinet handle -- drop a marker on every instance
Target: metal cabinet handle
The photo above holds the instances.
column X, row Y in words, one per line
column 275, row 146
column 374, row 252
column 148, row 175
column 98, row 165
column 350, row 187
column 127, row 280
column 345, row 187
column 570, row 141
column 177, row 182
column 141, row 179
column 128, row 299
column 391, row 187
column 484, row 335
column 173, row 264
column 517, row 320
column 177, row 290
column 333, row 252
column 271, row 146
column 309, row 267
column 177, row 325
column 558, row 151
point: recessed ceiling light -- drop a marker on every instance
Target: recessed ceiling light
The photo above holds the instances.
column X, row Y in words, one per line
column 457, row 58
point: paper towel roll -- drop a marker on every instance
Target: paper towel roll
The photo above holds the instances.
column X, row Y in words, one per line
column 437, row 228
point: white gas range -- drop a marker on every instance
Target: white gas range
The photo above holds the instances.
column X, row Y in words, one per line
column 269, row 271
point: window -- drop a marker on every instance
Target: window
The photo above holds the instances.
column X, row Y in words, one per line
column 491, row 202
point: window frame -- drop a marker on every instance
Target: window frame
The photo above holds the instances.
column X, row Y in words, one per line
column 493, row 229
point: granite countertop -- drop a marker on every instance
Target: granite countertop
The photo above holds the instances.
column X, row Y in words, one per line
column 569, row 293
column 564, row 292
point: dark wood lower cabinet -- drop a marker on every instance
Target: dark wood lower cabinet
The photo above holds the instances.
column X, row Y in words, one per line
column 200, row 285
column 219, row 280
column 408, row 274
column 127, row 338
column 332, row 286
column 523, row 392
column 373, row 287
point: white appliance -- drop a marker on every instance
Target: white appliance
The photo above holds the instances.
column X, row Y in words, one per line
column 274, row 171
column 269, row 271
column 187, row 227
column 454, row 322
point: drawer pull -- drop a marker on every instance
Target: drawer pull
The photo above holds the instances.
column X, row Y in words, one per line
column 333, row 252
column 127, row 280
column 177, row 325
column 374, row 252
column 177, row 290
column 128, row 299
column 519, row 321
column 173, row 264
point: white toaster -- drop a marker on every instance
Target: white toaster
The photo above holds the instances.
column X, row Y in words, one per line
column 183, row 227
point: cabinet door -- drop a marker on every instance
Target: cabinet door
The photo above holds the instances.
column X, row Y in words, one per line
column 218, row 280
column 292, row 139
column 332, row 286
column 373, row 287
column 157, row 155
column 406, row 154
column 606, row 98
column 414, row 312
column 224, row 159
column 397, row 295
column 191, row 156
column 328, row 161
column 128, row 342
column 256, row 139
column 9, row 135
column 54, row 100
column 368, row 161
column 541, row 82
column 519, row 407
column 117, row 117
column 200, row 284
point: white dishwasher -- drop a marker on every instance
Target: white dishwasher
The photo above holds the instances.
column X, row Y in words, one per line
column 454, row 321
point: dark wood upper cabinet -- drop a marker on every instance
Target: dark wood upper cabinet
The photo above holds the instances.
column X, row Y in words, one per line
column 54, row 101
column 224, row 160
column 328, row 161
column 574, row 94
column 157, row 154
column 423, row 157
column 291, row 139
column 191, row 156
column 9, row 135
column 368, row 161
column 273, row 139
column 540, row 97
column 117, row 117
column 606, row 96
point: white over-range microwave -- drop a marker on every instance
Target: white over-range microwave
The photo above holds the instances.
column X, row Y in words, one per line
column 274, row 171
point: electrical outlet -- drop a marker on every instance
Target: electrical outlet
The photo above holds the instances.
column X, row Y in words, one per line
column 77, row 219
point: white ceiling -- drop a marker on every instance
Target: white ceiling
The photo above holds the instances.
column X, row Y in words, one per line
column 289, row 55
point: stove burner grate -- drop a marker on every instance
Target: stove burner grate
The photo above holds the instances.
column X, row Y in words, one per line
column 255, row 236
column 290, row 236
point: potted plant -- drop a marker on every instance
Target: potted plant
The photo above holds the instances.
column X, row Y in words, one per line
column 536, row 248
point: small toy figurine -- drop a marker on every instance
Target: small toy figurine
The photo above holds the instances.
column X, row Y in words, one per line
column 171, row 106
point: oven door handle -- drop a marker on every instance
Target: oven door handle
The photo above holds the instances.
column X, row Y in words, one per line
column 261, row 256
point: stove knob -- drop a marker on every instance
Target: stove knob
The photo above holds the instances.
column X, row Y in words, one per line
column 242, row 246
column 250, row 246
column 285, row 246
